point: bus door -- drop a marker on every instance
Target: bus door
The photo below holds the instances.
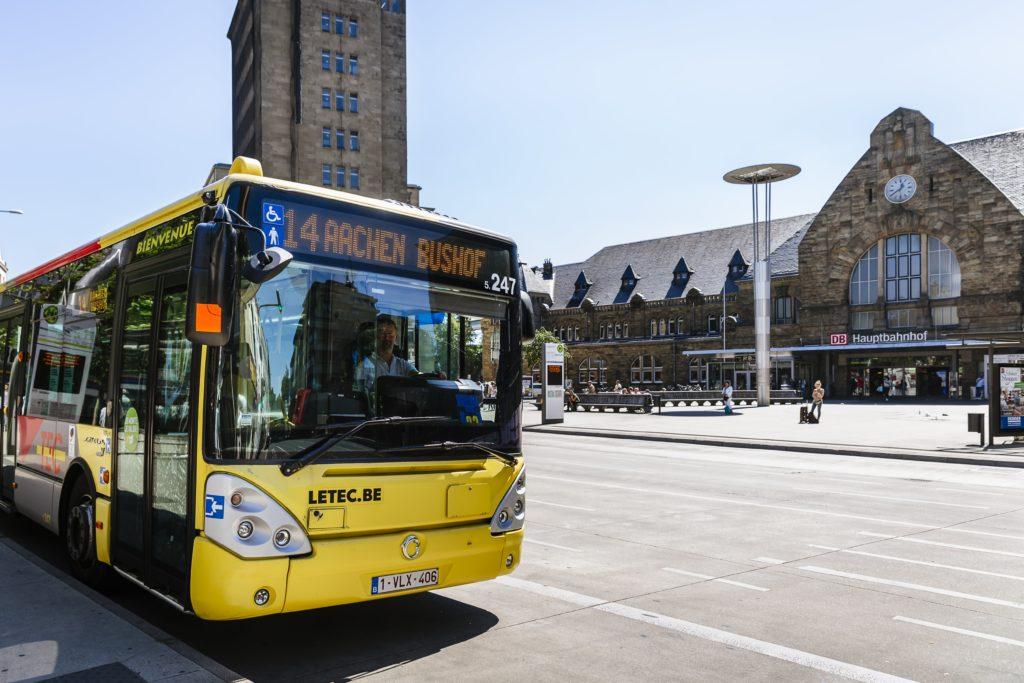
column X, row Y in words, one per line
column 153, row 372
column 10, row 374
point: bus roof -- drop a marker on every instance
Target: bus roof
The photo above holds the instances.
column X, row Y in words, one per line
column 252, row 176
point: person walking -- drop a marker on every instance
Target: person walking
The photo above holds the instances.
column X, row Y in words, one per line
column 727, row 396
column 817, row 398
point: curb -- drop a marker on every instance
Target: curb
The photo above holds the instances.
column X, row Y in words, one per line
column 821, row 449
column 214, row 668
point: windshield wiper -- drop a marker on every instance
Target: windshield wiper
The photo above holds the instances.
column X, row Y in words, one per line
column 509, row 460
column 312, row 453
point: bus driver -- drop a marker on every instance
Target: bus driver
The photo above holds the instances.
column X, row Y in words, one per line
column 383, row 361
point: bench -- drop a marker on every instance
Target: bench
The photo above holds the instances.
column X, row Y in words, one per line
column 712, row 398
column 639, row 403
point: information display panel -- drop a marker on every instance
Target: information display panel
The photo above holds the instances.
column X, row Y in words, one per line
column 363, row 237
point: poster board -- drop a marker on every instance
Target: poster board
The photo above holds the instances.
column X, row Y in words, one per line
column 1006, row 400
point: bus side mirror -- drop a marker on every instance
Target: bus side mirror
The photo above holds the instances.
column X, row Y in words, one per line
column 211, row 284
column 526, row 315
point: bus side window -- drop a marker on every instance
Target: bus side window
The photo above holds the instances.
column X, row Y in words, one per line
column 88, row 330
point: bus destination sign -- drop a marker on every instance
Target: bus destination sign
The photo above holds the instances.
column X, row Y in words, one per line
column 303, row 229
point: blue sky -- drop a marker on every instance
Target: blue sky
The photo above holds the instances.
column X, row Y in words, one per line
column 568, row 125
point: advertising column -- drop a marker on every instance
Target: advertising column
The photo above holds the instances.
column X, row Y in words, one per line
column 552, row 376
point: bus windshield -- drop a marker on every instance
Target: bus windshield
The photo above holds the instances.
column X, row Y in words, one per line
column 323, row 347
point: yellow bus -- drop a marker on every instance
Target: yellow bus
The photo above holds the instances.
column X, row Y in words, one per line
column 270, row 397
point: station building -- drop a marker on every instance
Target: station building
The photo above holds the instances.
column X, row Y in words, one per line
column 909, row 275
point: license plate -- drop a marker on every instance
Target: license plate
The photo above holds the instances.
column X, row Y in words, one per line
column 389, row 583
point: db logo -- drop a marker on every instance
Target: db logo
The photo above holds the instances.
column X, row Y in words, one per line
column 837, row 340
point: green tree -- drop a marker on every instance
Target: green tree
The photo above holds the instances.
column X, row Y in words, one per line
column 532, row 351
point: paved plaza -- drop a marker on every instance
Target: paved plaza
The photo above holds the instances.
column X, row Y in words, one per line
column 884, row 427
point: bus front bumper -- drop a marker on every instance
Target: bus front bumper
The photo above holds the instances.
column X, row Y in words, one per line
column 341, row 570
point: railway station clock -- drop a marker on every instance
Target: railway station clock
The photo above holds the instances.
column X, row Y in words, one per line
column 900, row 188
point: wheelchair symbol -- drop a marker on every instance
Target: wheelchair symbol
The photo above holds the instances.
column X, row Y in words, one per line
column 272, row 216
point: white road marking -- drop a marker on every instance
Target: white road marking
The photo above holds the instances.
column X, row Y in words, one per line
column 921, row 562
column 587, row 466
column 715, row 578
column 799, row 657
column 913, row 586
column 559, row 505
column 899, row 500
column 825, row 513
column 922, row 541
column 553, row 545
column 982, row 533
column 769, row 560
column 962, row 631
column 980, row 493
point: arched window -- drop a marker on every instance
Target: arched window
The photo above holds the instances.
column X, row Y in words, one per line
column 671, row 326
column 679, row 325
column 645, row 370
column 903, row 267
column 902, row 274
column 943, row 271
column 618, row 330
column 654, row 328
column 864, row 281
column 576, row 334
column 661, row 327
column 593, row 370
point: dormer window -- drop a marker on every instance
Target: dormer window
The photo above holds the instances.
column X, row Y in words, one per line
column 737, row 266
column 680, row 278
column 629, row 278
column 580, row 288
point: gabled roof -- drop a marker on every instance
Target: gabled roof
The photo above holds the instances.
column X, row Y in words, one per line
column 707, row 253
column 1000, row 158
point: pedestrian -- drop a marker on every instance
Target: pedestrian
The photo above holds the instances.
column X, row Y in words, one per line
column 817, row 398
column 727, row 396
column 590, row 388
column 618, row 387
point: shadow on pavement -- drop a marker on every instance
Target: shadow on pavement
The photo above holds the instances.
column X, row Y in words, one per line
column 335, row 643
column 700, row 412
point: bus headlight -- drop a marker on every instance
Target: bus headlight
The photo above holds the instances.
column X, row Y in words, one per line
column 511, row 512
column 252, row 524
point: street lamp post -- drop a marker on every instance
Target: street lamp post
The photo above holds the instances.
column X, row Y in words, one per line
column 762, row 174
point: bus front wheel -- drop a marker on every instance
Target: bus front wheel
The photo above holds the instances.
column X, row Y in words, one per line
column 80, row 535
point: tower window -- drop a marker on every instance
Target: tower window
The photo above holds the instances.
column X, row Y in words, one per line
column 326, row 137
column 340, row 175
column 353, row 141
column 353, row 28
column 339, row 25
column 339, row 62
column 325, row 22
column 339, row 101
column 353, row 178
column 353, row 65
column 325, row 174
column 325, row 98
column 339, row 139
column 325, row 60
column 353, row 103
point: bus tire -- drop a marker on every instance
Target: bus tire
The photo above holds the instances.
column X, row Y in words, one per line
column 78, row 530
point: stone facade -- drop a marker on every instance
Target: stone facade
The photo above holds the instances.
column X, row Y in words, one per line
column 278, row 82
column 968, row 201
